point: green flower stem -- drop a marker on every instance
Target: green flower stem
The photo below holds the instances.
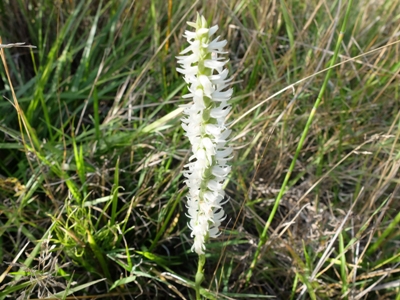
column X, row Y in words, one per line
column 263, row 237
column 199, row 275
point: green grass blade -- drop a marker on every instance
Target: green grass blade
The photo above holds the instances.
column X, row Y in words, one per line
column 263, row 236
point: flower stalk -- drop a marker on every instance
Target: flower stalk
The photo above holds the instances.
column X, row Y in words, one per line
column 199, row 275
column 203, row 70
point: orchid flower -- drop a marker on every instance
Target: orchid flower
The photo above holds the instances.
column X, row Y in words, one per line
column 204, row 124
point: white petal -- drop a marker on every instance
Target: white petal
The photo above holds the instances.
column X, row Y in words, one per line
column 222, row 96
column 224, row 153
column 192, row 24
column 220, row 112
column 213, row 30
column 188, row 70
column 221, row 171
column 190, row 59
column 215, row 45
column 202, row 31
column 207, row 86
column 210, row 149
column 214, row 64
column 198, row 98
column 213, row 129
column 214, row 186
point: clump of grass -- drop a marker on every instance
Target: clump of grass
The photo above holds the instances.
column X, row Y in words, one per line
column 40, row 281
column 91, row 151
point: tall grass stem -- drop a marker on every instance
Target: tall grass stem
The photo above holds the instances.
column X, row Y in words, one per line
column 263, row 237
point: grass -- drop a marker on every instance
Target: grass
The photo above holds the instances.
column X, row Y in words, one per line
column 92, row 201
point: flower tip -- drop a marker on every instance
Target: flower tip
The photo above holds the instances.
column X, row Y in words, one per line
column 204, row 22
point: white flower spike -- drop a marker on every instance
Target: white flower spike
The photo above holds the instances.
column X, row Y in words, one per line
column 204, row 124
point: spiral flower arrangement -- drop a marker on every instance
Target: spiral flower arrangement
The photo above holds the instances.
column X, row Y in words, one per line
column 204, row 124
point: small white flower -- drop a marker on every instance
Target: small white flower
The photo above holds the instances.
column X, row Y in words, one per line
column 203, row 70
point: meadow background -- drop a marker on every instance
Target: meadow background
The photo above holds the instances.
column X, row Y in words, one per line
column 92, row 200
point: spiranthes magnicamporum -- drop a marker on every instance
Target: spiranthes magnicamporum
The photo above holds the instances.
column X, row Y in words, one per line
column 203, row 70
